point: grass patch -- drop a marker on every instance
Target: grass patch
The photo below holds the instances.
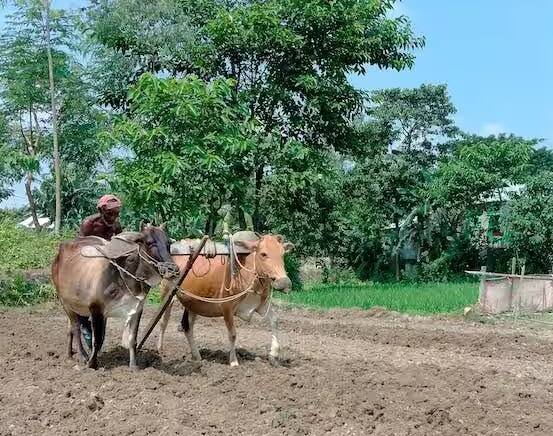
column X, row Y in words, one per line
column 428, row 298
column 17, row 291
column 154, row 297
column 25, row 260
column 24, row 249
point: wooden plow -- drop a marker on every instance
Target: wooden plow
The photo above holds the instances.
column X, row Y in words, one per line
column 169, row 297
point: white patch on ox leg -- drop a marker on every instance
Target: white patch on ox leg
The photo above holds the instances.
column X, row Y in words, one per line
column 275, row 345
column 232, row 357
column 128, row 311
column 229, row 321
column 125, row 339
column 190, row 337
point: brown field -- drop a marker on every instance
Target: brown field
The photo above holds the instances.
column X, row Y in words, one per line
column 346, row 373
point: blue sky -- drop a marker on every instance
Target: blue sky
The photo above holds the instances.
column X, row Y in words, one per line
column 496, row 56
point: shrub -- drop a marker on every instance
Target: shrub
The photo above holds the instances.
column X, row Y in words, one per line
column 18, row 291
column 24, row 249
column 25, row 259
column 292, row 264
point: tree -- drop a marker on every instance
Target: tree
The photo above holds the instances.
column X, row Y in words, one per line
column 84, row 157
column 191, row 150
column 402, row 132
column 46, row 12
column 530, row 223
column 418, row 118
column 486, row 164
column 6, row 173
column 542, row 160
column 288, row 59
column 136, row 37
column 28, row 64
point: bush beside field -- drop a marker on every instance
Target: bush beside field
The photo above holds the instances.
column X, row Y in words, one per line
column 25, row 259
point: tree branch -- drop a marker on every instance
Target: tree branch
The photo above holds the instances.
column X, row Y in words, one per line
column 38, row 130
column 27, row 140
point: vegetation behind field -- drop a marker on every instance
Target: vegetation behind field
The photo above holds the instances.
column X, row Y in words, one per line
column 416, row 298
column 25, row 259
column 26, row 256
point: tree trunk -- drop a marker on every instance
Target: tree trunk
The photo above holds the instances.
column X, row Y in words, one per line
column 396, row 257
column 31, row 199
column 241, row 217
column 210, row 224
column 56, row 152
column 258, row 224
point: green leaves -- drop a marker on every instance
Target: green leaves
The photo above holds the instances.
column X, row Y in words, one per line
column 484, row 164
column 191, row 145
column 530, row 223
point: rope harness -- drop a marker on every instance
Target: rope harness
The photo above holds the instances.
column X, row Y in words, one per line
column 163, row 268
column 235, row 281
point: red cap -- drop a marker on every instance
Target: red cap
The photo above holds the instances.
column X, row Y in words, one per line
column 108, row 202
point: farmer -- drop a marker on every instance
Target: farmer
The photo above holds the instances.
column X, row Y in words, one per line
column 104, row 224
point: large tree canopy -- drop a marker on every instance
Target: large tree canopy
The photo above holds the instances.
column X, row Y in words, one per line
column 191, row 150
column 288, row 60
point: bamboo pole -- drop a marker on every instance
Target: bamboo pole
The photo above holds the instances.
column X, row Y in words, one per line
column 482, row 296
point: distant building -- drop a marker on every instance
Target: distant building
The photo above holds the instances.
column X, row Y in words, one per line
column 43, row 221
column 493, row 206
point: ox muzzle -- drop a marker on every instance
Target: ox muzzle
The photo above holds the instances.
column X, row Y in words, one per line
column 283, row 284
column 168, row 270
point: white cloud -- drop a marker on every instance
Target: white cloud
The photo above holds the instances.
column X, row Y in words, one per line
column 492, row 129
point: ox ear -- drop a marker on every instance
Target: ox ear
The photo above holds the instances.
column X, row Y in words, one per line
column 248, row 245
column 288, row 247
column 279, row 238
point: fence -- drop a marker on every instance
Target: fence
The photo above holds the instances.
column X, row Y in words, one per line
column 521, row 294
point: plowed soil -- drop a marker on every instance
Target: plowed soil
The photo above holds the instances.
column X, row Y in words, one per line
column 344, row 373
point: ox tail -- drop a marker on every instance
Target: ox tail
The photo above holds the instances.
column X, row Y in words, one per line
column 98, row 328
column 185, row 324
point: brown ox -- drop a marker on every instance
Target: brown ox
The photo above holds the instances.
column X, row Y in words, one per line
column 103, row 279
column 211, row 278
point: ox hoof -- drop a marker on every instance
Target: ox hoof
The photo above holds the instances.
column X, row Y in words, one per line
column 93, row 364
column 274, row 361
column 233, row 364
column 133, row 368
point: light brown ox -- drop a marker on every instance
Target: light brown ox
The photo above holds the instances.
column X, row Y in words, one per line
column 211, row 278
column 93, row 286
